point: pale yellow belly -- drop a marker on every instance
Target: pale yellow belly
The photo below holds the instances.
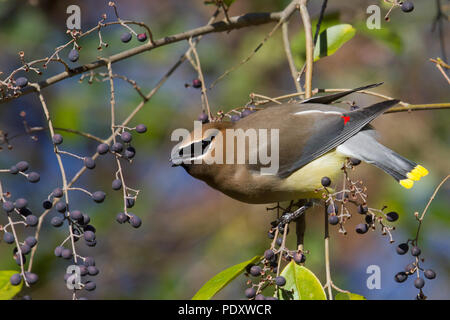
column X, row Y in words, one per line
column 308, row 178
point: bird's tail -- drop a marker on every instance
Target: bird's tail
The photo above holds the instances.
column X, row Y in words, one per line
column 365, row 147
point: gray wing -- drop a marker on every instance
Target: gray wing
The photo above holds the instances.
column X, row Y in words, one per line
column 333, row 97
column 331, row 130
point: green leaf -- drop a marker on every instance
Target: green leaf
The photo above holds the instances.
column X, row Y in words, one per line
column 348, row 296
column 7, row 290
column 331, row 39
column 220, row 280
column 301, row 284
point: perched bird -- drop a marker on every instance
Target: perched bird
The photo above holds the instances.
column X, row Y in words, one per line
column 306, row 140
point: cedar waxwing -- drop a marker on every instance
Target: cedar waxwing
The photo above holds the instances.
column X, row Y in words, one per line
column 308, row 140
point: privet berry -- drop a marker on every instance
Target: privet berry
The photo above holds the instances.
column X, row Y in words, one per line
column 235, row 117
column 73, row 55
column 15, row 279
column 402, row 248
column 89, row 163
column 407, row 6
column 299, row 257
column 130, row 152
column 401, row 277
column 31, row 220
column 415, row 251
column 203, row 117
column 362, row 228
column 121, row 217
column 33, row 177
column 333, row 220
column 61, row 207
column 142, row 37
column 102, row 148
column 21, row 82
column 8, row 206
column 126, row 136
column 419, row 283
column 116, row 184
column 98, row 196
column 125, row 37
column 250, row 292
column 280, row 281
column 141, row 128
column 57, row 193
column 20, row 203
column 58, row 251
column 392, row 216
column 135, row 221
column 354, row 161
column 66, row 253
column 429, row 274
column 362, row 209
column 117, row 147
column 255, row 271
column 269, row 254
column 326, row 181
column 22, row 166
column 57, row 139
column 57, row 221
column 31, row 241
column 8, row 237
column 196, row 83
column 76, row 215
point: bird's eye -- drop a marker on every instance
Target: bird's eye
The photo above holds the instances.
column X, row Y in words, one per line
column 195, row 149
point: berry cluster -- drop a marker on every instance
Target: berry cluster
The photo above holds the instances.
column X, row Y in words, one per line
column 17, row 213
column 267, row 271
column 353, row 192
column 414, row 267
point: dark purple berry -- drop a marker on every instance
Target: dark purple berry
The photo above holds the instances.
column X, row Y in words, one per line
column 89, row 163
column 47, row 204
column 355, row 161
column 401, row 277
column 66, row 253
column 250, row 292
column 407, row 6
column 26, row 249
column 57, row 221
column 429, row 274
column 299, row 257
column 61, row 207
column 102, row 148
column 125, row 37
column 31, row 241
column 255, row 271
column 21, row 82
column 260, row 297
column 89, row 261
column 93, row 270
column 33, row 177
column 116, row 184
column 76, row 215
column 135, row 221
column 58, row 251
column 15, row 279
column 57, row 139
column 130, row 152
column 130, row 203
column 13, row 170
column 362, row 209
column 402, row 248
column 362, row 228
column 22, row 166
column 20, row 203
column 141, row 128
column 8, row 237
column 90, row 286
column 269, row 254
column 121, row 218
column 246, row 113
column 203, row 117
column 31, row 220
column 280, row 281
column 142, row 37
column 126, row 136
column 333, row 220
column 57, row 193
column 89, row 236
column 419, row 283
column 326, row 181
column 235, row 117
column 73, row 55
column 196, row 83
column 392, row 216
column 415, row 251
column 98, row 196
column 8, row 206
column 117, row 147
column 31, row 277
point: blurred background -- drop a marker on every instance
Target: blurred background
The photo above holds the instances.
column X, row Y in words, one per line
column 191, row 232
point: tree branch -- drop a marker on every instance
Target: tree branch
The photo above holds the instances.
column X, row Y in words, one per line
column 237, row 22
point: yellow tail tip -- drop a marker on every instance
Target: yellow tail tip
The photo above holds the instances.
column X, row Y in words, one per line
column 407, row 183
column 413, row 176
column 420, row 170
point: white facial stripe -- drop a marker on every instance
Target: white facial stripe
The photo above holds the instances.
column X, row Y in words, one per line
column 317, row 111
